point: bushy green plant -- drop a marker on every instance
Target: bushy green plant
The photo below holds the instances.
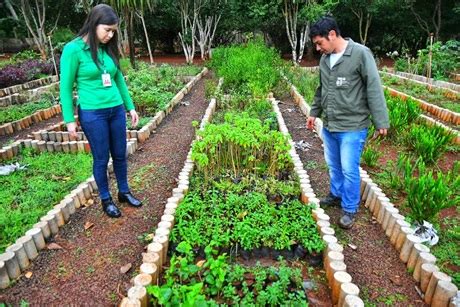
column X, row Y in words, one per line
column 305, row 81
column 16, row 112
column 429, row 193
column 25, row 55
column 252, row 66
column 429, row 142
column 60, row 37
column 371, row 155
column 402, row 113
column 243, row 145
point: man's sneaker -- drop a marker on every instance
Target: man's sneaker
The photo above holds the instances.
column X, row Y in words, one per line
column 330, row 200
column 347, row 220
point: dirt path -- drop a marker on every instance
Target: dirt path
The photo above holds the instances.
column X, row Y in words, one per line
column 374, row 265
column 86, row 271
column 27, row 133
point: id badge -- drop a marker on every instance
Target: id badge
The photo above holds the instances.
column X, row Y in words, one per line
column 106, row 81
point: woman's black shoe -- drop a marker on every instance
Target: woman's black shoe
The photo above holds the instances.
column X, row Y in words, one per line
column 129, row 198
column 110, row 208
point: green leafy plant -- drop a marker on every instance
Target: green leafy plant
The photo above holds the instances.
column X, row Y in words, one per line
column 371, row 155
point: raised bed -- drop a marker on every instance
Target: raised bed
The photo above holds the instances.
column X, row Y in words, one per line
column 34, row 240
column 439, row 83
column 435, row 286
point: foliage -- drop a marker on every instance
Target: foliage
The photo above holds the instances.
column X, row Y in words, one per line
column 60, row 37
column 142, row 122
column 28, row 194
column 193, row 282
column 305, row 81
column 251, row 66
column 241, row 144
column 402, row 113
column 371, row 155
column 445, row 59
column 25, row 55
column 19, row 111
column 153, row 87
column 429, row 143
column 25, row 71
column 227, row 212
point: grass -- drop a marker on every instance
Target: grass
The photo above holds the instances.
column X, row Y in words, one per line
column 146, row 175
column 305, row 81
column 28, row 194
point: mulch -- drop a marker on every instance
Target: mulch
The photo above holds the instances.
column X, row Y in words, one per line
column 374, row 265
column 85, row 269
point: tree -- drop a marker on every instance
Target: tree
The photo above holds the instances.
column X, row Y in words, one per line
column 425, row 11
column 189, row 11
column 301, row 13
column 207, row 24
column 364, row 11
column 35, row 17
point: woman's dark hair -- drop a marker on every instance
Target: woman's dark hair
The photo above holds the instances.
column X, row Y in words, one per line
column 106, row 15
column 323, row 26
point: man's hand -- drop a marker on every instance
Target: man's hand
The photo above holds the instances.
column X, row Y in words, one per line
column 72, row 129
column 383, row 131
column 134, row 118
column 311, row 122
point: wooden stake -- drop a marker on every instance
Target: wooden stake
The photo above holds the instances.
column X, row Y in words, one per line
column 433, row 283
column 52, row 223
column 445, row 290
column 59, row 215
column 140, row 293
column 422, row 258
column 334, row 266
column 37, row 235
column 45, row 228
column 326, row 231
column 427, row 270
column 130, row 302
column 416, row 250
column 397, row 229
column 391, row 223
column 332, row 256
column 407, row 247
column 20, row 254
column 29, row 246
column 389, row 211
column 345, row 290
column 404, row 232
column 150, row 269
column 353, row 301
column 4, row 278
column 339, row 279
column 143, row 280
column 11, row 264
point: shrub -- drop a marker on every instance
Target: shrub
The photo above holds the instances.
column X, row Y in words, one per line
column 401, row 113
column 25, row 55
column 60, row 37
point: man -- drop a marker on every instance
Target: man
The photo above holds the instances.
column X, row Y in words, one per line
column 349, row 93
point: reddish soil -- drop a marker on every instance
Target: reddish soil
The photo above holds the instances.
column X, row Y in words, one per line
column 86, row 271
column 27, row 133
column 374, row 265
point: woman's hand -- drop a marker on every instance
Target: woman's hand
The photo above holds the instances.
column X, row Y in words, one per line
column 134, row 118
column 72, row 129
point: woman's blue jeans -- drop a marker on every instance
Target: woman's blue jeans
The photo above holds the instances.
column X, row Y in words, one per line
column 105, row 130
column 342, row 151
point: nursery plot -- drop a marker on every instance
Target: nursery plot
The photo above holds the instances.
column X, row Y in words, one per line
column 27, row 194
column 419, row 169
column 440, row 97
column 370, row 259
column 94, row 248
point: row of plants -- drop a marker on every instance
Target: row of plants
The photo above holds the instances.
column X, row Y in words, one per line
column 416, row 180
column 305, row 81
column 153, row 87
column 243, row 200
column 440, row 97
column 16, row 112
column 28, row 70
column 27, row 194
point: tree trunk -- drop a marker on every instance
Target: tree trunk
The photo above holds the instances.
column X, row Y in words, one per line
column 141, row 16
column 11, row 9
column 38, row 34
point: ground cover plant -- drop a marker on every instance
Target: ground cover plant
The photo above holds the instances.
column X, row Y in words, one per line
column 417, row 179
column 27, row 195
column 440, row 97
column 16, row 112
column 13, row 74
column 152, row 87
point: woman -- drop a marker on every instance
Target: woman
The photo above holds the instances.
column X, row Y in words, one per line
column 91, row 61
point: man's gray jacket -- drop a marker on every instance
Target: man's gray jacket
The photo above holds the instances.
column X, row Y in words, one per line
column 350, row 92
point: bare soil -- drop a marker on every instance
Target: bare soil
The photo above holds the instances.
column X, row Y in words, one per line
column 27, row 133
column 86, row 271
column 374, row 265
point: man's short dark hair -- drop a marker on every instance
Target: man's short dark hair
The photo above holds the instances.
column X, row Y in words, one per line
column 323, row 26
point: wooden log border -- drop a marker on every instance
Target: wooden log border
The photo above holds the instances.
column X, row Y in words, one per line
column 56, row 218
column 27, row 86
column 391, row 220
